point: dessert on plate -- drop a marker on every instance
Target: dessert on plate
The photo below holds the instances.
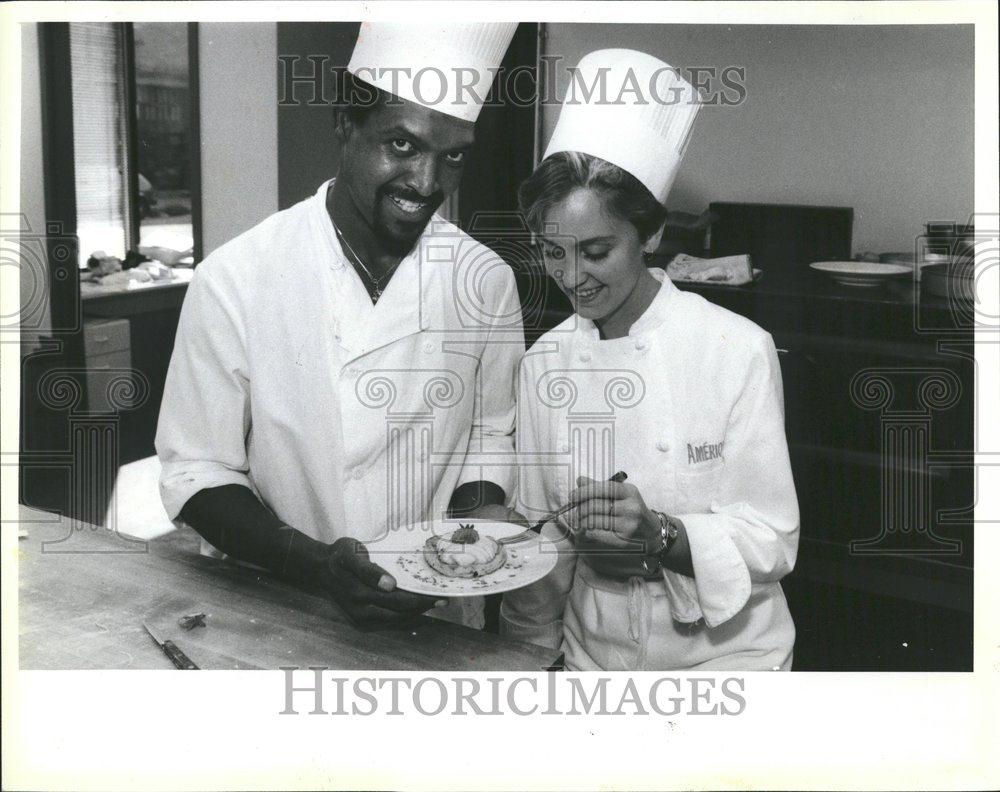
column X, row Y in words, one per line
column 464, row 553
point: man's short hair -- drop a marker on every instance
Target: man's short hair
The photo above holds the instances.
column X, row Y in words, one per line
column 359, row 98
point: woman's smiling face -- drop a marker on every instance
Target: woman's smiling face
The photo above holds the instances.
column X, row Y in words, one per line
column 594, row 257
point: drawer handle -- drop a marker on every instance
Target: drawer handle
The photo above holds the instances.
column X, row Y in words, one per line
column 102, row 339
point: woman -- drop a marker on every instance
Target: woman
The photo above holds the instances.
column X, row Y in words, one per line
column 679, row 566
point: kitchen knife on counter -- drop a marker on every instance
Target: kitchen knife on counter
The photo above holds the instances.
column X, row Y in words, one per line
column 177, row 657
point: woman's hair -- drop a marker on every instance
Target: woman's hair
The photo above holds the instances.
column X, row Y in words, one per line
column 559, row 174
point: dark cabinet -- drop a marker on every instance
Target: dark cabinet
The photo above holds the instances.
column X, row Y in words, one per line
column 152, row 317
column 82, row 418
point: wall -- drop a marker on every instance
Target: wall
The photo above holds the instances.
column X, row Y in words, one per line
column 239, row 128
column 35, row 319
column 875, row 118
column 308, row 153
column 878, row 118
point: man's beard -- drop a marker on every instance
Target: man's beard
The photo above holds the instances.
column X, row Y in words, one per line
column 396, row 237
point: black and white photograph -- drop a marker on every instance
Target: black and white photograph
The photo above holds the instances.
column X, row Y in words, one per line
column 592, row 366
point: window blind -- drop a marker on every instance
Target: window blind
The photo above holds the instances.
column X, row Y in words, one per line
column 99, row 137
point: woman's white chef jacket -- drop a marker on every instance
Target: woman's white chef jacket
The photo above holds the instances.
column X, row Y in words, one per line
column 345, row 418
column 690, row 405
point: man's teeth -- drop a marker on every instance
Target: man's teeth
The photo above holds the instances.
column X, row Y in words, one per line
column 408, row 206
column 586, row 293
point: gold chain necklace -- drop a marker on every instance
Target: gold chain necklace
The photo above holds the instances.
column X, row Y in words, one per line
column 376, row 282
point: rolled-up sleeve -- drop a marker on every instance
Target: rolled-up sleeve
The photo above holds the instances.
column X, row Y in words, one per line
column 205, row 412
column 749, row 534
column 490, row 455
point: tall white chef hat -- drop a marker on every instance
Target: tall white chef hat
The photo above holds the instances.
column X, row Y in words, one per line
column 447, row 67
column 632, row 110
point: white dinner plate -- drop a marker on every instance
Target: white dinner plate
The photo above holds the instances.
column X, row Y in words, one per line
column 861, row 273
column 401, row 553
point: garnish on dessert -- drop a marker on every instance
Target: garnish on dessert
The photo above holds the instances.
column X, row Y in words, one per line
column 464, row 553
column 466, row 534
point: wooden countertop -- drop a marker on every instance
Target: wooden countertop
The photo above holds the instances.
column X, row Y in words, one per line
column 84, row 592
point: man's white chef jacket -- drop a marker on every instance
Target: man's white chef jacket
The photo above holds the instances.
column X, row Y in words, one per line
column 344, row 417
column 689, row 404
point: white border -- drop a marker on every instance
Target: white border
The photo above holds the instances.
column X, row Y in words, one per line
column 221, row 730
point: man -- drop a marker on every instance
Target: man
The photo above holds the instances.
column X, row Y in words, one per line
column 347, row 367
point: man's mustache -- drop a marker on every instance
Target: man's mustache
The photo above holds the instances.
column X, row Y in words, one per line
column 435, row 199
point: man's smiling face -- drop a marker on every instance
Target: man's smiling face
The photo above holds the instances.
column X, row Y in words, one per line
column 399, row 162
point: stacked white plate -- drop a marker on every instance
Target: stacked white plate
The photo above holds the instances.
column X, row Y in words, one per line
column 861, row 273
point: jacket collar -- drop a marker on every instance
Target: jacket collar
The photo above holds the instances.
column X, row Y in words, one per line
column 657, row 312
column 412, row 299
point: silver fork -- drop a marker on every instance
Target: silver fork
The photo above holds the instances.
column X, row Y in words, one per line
column 536, row 529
